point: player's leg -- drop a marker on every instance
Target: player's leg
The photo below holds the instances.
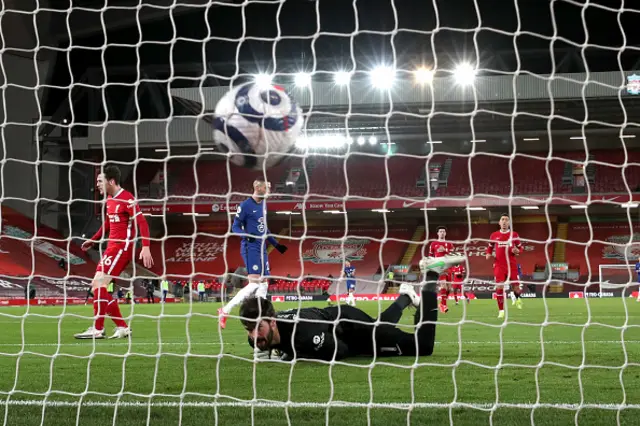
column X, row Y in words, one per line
column 120, row 262
column 263, row 283
column 500, row 276
column 100, row 300
column 254, row 268
column 408, row 297
column 456, row 292
column 444, row 293
column 514, row 282
column 391, row 341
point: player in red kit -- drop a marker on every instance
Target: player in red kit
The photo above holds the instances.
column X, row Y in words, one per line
column 505, row 246
column 123, row 219
column 457, row 278
column 441, row 248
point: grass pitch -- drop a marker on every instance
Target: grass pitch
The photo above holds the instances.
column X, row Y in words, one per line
column 545, row 362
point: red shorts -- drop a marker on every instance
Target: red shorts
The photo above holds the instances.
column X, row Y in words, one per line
column 501, row 275
column 115, row 259
column 457, row 285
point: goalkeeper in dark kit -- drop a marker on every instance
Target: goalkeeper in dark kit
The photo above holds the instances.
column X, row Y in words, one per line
column 338, row 332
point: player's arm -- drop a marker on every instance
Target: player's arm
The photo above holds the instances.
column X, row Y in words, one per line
column 517, row 245
column 431, row 250
column 272, row 240
column 143, row 231
column 239, row 221
column 104, row 230
column 490, row 247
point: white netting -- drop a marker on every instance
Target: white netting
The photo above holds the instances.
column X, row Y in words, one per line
column 467, row 111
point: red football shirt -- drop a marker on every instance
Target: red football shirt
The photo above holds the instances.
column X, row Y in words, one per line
column 122, row 211
column 504, row 243
column 440, row 248
column 457, row 272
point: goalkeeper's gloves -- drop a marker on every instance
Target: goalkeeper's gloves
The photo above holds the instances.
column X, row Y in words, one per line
column 281, row 248
column 268, row 354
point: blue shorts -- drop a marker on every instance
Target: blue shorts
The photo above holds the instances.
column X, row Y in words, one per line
column 255, row 259
column 351, row 285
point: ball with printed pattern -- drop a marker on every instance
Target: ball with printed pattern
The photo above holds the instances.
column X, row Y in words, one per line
column 256, row 125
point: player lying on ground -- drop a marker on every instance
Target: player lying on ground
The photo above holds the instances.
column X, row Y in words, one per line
column 441, row 248
column 250, row 222
column 338, row 332
column 505, row 246
column 122, row 218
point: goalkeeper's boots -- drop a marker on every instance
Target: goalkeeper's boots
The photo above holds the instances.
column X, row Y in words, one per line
column 121, row 333
column 519, row 303
column 500, row 314
column 440, row 264
column 222, row 318
column 411, row 292
column 91, row 333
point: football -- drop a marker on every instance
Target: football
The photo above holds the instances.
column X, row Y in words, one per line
column 257, row 125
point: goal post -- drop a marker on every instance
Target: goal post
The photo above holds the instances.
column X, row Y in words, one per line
column 621, row 278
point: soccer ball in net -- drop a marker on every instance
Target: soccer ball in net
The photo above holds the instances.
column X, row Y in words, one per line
column 257, row 125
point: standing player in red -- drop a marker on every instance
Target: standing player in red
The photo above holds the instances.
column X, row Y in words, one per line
column 457, row 277
column 122, row 219
column 505, row 246
column 442, row 248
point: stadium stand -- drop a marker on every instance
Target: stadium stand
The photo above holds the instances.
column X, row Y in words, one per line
column 365, row 176
column 40, row 260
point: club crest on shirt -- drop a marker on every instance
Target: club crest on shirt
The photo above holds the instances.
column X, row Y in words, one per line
column 332, row 251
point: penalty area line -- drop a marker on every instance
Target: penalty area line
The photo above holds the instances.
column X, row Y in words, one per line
column 292, row 404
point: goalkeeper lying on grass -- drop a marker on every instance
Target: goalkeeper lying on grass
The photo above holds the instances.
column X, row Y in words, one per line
column 338, row 332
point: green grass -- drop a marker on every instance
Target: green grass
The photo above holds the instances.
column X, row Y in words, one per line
column 179, row 369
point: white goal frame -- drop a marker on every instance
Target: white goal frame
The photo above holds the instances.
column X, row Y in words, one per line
column 614, row 286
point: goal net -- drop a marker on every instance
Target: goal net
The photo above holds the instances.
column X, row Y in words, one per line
column 416, row 115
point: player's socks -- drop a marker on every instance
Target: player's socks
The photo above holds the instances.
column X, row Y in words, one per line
column 245, row 292
column 500, row 298
column 351, row 300
column 113, row 310
column 100, row 303
column 455, row 296
column 262, row 290
column 444, row 295
column 394, row 312
column 513, row 298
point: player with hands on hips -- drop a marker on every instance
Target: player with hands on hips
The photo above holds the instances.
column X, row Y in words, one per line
column 250, row 224
column 123, row 218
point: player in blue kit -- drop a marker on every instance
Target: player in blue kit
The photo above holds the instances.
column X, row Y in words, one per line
column 349, row 273
column 638, row 274
column 250, row 223
column 514, row 299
